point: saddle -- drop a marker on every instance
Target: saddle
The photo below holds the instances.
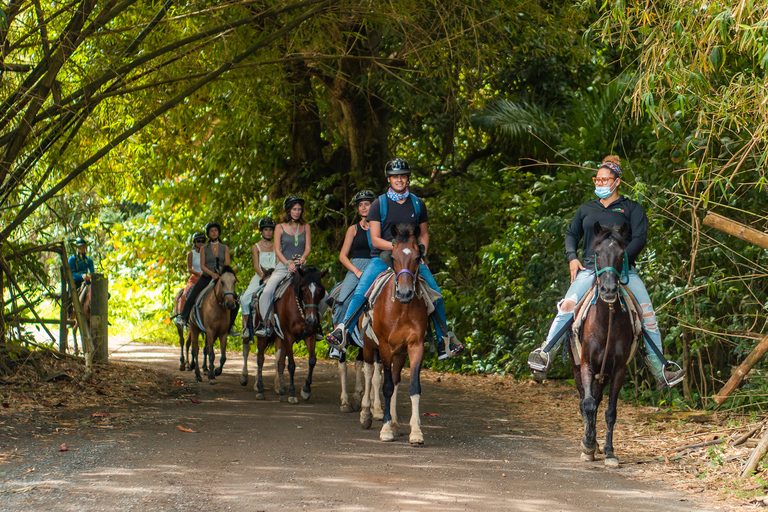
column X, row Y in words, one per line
column 198, row 319
column 427, row 294
column 626, row 299
column 282, row 287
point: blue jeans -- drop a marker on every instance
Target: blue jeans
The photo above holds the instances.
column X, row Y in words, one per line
column 376, row 267
column 347, row 289
column 585, row 279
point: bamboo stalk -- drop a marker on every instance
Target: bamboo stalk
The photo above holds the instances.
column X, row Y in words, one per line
column 756, row 355
column 736, row 229
column 757, row 455
column 742, row 439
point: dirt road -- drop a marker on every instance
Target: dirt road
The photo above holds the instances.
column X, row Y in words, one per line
column 250, row 455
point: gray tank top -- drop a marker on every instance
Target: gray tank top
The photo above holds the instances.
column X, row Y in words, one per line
column 291, row 245
column 210, row 259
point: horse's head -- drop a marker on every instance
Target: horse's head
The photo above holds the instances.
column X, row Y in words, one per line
column 406, row 258
column 610, row 259
column 225, row 293
column 310, row 291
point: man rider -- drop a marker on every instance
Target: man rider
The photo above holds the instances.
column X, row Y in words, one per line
column 401, row 207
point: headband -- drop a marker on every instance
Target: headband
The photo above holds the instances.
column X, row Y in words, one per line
column 614, row 167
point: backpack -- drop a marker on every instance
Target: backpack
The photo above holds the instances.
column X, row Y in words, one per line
column 383, row 212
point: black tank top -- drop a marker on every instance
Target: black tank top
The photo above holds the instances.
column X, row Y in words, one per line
column 360, row 247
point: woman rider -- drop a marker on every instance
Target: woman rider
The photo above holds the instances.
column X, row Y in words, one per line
column 610, row 210
column 213, row 257
column 294, row 243
column 400, row 207
column 193, row 267
column 356, row 240
column 263, row 262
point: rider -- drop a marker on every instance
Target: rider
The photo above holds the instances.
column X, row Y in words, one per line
column 401, row 207
column 80, row 263
column 263, row 262
column 292, row 250
column 609, row 210
column 213, row 257
column 355, row 240
column 193, row 267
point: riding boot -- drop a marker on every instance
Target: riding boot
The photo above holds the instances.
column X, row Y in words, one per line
column 247, row 336
column 454, row 347
column 664, row 378
column 233, row 333
column 337, row 338
column 265, row 327
column 539, row 359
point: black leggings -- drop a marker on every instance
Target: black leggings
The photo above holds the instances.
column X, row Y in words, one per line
column 200, row 285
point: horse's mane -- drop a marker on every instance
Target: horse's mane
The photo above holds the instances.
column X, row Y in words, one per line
column 227, row 269
column 311, row 275
column 404, row 232
column 606, row 233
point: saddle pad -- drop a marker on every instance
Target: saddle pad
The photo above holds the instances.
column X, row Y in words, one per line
column 283, row 286
column 427, row 294
column 582, row 308
column 196, row 316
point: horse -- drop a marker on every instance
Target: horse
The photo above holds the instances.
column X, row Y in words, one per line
column 605, row 343
column 400, row 324
column 178, row 305
column 215, row 314
column 298, row 318
column 353, row 404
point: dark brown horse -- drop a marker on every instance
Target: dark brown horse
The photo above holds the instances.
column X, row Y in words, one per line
column 185, row 362
column 299, row 318
column 215, row 314
column 606, row 341
column 400, row 324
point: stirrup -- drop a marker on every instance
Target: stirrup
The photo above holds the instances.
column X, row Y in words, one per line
column 678, row 376
column 333, row 341
column 335, row 353
column 538, row 360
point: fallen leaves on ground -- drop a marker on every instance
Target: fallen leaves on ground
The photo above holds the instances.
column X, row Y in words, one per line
column 184, row 429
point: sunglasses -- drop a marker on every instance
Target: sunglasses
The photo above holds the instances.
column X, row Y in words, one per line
column 199, row 241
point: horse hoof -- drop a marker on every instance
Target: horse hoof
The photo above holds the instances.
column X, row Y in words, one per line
column 611, row 462
column 293, row 400
column 212, row 382
column 260, row 396
column 217, row 371
column 387, row 436
column 366, row 423
column 243, row 380
column 417, row 438
column 283, row 398
column 198, row 378
column 587, row 457
column 345, row 408
column 305, row 395
column 181, row 367
column 378, row 415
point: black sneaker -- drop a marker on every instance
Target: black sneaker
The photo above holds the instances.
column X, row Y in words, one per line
column 264, row 331
column 538, row 361
column 335, row 339
column 669, row 379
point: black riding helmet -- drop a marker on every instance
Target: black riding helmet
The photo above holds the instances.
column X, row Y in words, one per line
column 197, row 236
column 265, row 223
column 397, row 166
column 363, row 195
column 80, row 241
column 292, row 200
column 212, row 225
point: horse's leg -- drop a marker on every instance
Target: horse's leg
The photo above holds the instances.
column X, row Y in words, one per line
column 209, row 341
column 193, row 334
column 188, row 347
column 180, row 332
column 378, row 378
column 292, row 399
column 610, row 417
column 398, row 362
column 359, row 383
column 416, row 355
column 387, row 434
column 244, row 373
column 366, row 418
column 223, row 350
column 280, row 355
column 345, row 405
column 258, row 386
column 306, row 391
column 588, row 407
column 205, row 353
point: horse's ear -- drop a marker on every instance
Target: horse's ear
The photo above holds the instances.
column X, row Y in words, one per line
column 394, row 231
column 323, row 272
column 624, row 231
column 417, row 232
column 597, row 228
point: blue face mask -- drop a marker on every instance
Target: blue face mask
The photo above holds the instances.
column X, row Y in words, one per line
column 603, row 192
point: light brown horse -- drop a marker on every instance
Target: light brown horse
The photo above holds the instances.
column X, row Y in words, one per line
column 299, row 318
column 215, row 313
column 400, row 324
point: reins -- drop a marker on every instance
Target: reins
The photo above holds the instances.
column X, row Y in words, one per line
column 624, row 273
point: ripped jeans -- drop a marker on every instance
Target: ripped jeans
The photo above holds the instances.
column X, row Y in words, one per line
column 585, row 279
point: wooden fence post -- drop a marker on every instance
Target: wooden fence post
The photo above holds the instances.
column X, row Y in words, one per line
column 63, row 314
column 100, row 316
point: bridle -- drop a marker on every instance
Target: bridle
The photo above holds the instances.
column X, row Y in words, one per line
column 623, row 274
column 222, row 303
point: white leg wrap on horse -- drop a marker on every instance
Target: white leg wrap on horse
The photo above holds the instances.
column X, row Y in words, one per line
column 343, row 379
column 417, row 436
